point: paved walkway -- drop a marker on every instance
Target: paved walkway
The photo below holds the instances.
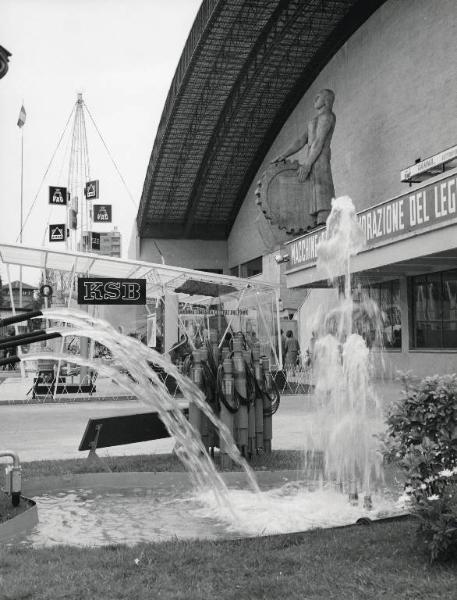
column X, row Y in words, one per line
column 51, row 431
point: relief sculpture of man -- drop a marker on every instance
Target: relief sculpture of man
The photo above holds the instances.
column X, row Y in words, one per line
column 315, row 172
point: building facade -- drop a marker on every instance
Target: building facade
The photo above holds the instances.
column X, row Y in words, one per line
column 28, row 294
column 110, row 243
column 394, row 110
column 393, row 77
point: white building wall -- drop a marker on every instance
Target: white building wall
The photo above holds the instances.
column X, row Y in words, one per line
column 191, row 254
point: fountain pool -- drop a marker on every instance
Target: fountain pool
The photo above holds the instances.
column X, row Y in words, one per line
column 349, row 485
column 111, row 508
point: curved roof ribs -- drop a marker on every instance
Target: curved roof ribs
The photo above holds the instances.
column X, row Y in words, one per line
column 244, row 67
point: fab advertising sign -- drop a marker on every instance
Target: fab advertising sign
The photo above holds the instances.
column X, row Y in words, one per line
column 58, row 195
column 102, row 290
column 103, row 213
column 431, row 206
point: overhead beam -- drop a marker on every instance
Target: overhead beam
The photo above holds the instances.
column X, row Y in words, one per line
column 175, row 231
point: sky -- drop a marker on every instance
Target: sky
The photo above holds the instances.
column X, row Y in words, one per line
column 121, row 55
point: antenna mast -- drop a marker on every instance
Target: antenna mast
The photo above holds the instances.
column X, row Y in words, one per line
column 78, row 176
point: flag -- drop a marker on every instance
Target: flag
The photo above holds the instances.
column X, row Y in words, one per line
column 21, row 119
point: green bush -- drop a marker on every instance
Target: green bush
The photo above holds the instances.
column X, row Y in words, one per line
column 422, row 439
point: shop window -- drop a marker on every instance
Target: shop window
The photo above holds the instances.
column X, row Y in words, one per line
column 235, row 271
column 251, row 268
column 435, row 310
column 386, row 296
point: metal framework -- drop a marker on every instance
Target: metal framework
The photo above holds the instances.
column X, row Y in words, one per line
column 158, row 276
column 243, row 70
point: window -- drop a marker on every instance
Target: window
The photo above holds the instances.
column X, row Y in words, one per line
column 235, row 271
column 435, row 310
column 386, row 295
column 251, row 268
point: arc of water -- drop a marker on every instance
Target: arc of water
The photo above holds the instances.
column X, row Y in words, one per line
column 136, row 357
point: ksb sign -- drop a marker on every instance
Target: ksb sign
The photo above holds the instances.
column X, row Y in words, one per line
column 102, row 290
column 428, row 206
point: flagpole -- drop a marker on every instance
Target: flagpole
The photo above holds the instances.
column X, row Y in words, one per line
column 22, row 215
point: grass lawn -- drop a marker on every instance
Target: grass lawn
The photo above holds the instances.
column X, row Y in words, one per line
column 379, row 561
column 277, row 460
column 357, row 563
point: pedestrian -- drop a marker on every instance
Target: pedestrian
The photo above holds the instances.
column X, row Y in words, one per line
column 292, row 350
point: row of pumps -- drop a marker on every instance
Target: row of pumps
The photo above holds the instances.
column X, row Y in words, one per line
column 239, row 387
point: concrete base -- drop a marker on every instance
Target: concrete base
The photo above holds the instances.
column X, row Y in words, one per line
column 17, row 525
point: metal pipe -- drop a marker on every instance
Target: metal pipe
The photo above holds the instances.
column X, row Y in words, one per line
column 13, row 477
column 6, row 341
column 28, row 340
column 16, row 330
column 11, row 360
column 20, row 318
column 13, row 455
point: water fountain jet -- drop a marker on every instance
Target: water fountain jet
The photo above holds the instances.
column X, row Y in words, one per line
column 350, row 410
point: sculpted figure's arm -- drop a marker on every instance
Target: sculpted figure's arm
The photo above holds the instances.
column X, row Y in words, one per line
column 324, row 124
column 296, row 146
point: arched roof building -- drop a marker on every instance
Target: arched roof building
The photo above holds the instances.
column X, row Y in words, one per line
column 244, row 91
column 244, row 67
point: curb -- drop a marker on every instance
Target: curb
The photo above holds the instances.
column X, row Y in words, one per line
column 70, row 400
column 19, row 524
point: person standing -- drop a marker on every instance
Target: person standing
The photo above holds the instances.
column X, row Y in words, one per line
column 292, row 350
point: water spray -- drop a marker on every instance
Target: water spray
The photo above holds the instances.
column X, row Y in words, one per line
column 342, row 362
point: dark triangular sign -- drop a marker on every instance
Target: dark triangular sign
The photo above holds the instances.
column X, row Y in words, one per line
column 57, row 233
column 91, row 190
